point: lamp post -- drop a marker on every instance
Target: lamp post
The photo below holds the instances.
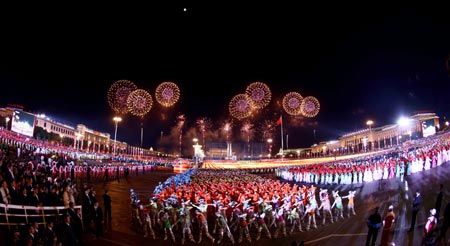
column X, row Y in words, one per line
column 7, row 119
column 61, row 136
column 116, row 121
column 298, row 154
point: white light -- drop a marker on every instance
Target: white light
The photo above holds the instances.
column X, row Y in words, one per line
column 403, row 121
column 185, row 9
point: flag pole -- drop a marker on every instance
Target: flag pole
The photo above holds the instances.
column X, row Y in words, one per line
column 282, row 155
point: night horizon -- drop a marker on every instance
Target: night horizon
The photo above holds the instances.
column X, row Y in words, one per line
column 387, row 64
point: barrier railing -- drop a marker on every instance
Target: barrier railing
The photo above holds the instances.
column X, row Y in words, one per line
column 14, row 215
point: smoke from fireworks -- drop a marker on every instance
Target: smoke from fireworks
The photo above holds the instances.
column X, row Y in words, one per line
column 267, row 129
column 181, row 119
column 240, row 106
column 139, row 102
column 118, row 94
column 167, row 94
column 203, row 124
column 247, row 130
column 310, row 106
column 259, row 93
column 292, row 102
column 226, row 128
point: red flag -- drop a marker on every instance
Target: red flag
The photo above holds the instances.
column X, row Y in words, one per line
column 279, row 121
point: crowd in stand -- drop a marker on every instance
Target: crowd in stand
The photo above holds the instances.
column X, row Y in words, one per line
column 36, row 173
column 423, row 154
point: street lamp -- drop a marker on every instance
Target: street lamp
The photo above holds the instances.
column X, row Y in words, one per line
column 7, row 119
column 61, row 136
column 298, row 154
column 116, row 121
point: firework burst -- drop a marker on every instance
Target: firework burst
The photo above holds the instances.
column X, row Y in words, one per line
column 118, row 94
column 259, row 93
column 167, row 94
column 240, row 106
column 292, row 102
column 139, row 102
column 310, row 106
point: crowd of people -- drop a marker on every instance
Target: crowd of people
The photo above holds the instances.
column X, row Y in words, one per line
column 223, row 204
column 229, row 204
column 35, row 174
column 423, row 154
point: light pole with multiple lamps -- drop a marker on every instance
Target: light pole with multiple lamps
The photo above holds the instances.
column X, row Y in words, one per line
column 116, row 121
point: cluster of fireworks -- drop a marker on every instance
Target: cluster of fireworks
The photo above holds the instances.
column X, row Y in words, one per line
column 258, row 95
column 125, row 97
column 295, row 104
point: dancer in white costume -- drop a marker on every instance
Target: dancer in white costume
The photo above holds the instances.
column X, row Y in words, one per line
column 311, row 212
column 325, row 205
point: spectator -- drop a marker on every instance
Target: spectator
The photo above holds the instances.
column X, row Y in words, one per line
column 374, row 224
column 415, row 209
column 107, row 204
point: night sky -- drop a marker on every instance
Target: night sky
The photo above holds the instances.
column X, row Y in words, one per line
column 360, row 62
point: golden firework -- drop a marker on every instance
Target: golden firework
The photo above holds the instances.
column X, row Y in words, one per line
column 167, row 94
column 259, row 93
column 118, row 95
column 139, row 102
column 240, row 106
column 310, row 106
column 292, row 102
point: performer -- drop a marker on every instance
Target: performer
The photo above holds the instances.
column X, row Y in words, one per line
column 165, row 219
column 148, row 224
column 310, row 211
column 222, row 226
column 325, row 205
column 262, row 226
column 203, row 226
column 294, row 216
column 430, row 229
column 338, row 203
column 243, row 228
column 350, row 205
column 388, row 225
column 185, row 226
